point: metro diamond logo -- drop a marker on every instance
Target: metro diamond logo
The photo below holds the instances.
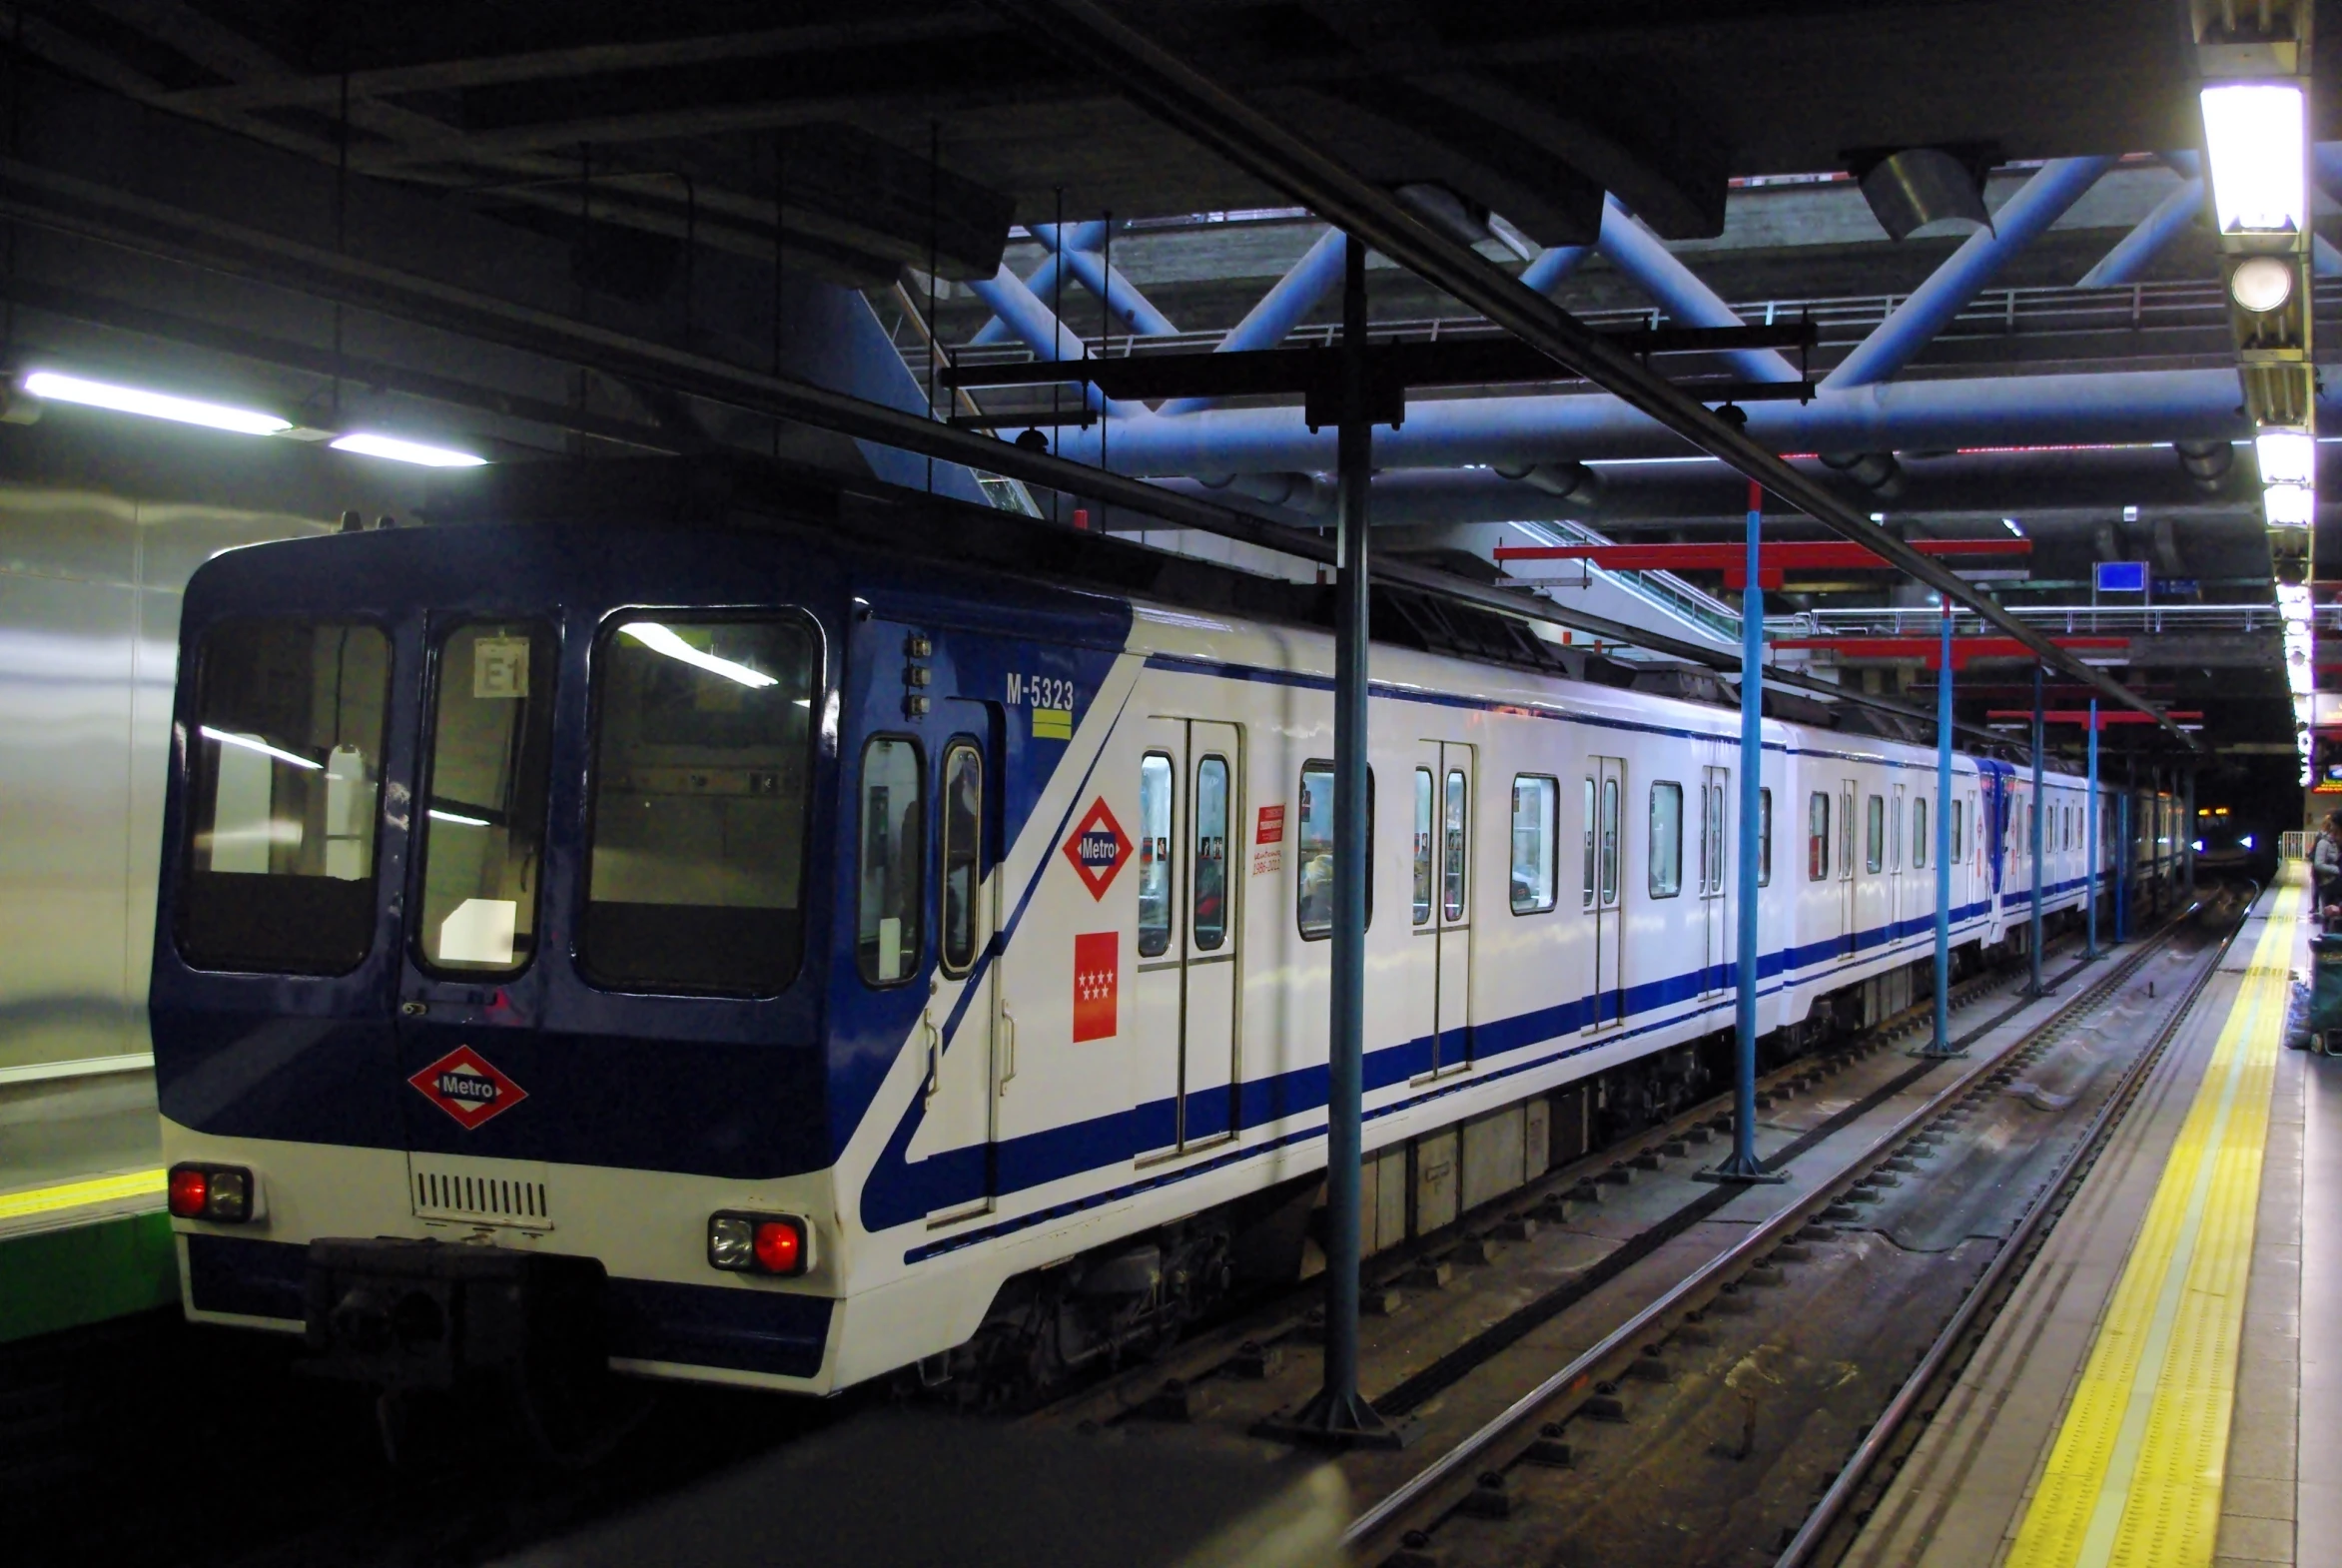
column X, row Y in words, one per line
column 465, row 1085
column 1098, row 848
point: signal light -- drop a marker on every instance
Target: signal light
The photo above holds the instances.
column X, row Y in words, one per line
column 218, row 1193
column 777, row 1245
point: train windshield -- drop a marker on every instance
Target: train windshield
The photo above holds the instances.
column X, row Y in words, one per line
column 702, row 761
column 283, row 768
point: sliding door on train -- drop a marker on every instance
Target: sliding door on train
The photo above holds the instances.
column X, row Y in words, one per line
column 1604, row 800
column 970, row 1046
column 1847, row 916
column 1715, row 902
column 1190, row 807
column 1441, row 912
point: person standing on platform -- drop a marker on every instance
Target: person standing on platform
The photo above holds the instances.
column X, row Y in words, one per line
column 2325, row 864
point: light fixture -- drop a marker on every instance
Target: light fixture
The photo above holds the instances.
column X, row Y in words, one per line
column 2260, row 284
column 2290, row 505
column 659, row 639
column 2254, row 143
column 2013, row 526
column 2287, row 456
column 254, row 743
column 53, row 387
column 461, row 821
column 369, row 446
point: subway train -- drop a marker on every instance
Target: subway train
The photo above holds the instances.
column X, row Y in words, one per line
column 725, row 925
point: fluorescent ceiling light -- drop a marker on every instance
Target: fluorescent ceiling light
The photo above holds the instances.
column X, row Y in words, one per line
column 2287, row 456
column 254, row 743
column 461, row 821
column 659, row 639
column 2013, row 526
column 2254, row 142
column 405, row 451
column 2290, row 505
column 50, row 385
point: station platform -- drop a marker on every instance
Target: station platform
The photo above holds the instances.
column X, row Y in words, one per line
column 83, row 1234
column 2147, row 1396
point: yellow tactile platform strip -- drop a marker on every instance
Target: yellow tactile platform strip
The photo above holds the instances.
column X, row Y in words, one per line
column 2134, row 1478
column 43, row 1200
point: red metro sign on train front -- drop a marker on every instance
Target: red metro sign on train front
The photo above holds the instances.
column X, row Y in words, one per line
column 468, row 1087
column 1098, row 848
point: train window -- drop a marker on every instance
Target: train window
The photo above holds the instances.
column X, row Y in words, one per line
column 283, row 767
column 1874, row 833
column 1846, row 832
column 1536, row 811
column 1712, row 840
column 1586, row 899
column 1816, row 836
column 483, row 817
column 1314, row 846
column 1919, row 835
column 963, row 847
column 695, row 879
column 1212, row 814
column 893, row 825
column 1422, row 846
column 1451, row 848
column 1957, row 845
column 1665, row 839
column 1764, row 838
column 1610, row 812
column 1156, row 784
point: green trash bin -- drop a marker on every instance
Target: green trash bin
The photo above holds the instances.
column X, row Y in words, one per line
column 2325, row 993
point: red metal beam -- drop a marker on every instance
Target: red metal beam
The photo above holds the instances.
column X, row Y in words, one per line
column 2081, row 716
column 1732, row 559
column 1929, row 649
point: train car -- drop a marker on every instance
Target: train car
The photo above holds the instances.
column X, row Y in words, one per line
column 784, row 934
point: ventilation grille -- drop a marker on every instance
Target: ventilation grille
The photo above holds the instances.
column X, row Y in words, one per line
column 480, row 1196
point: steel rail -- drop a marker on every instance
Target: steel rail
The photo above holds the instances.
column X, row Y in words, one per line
column 1884, row 1430
column 1621, row 1343
column 1183, row 97
column 66, row 203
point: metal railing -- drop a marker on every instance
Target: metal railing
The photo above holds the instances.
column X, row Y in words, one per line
column 2295, row 844
column 1919, row 621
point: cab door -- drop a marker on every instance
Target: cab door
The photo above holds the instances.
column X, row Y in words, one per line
column 1443, row 804
column 1188, row 988
column 1603, row 802
column 1848, row 918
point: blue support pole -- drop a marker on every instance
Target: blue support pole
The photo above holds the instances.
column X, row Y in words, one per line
column 1086, row 265
column 1742, row 1163
column 1043, row 280
column 2037, row 988
column 2146, row 242
column 1941, row 1044
column 2122, row 868
column 1548, row 269
column 2054, row 187
column 1644, row 258
column 1043, row 333
column 1339, row 1413
column 2090, row 944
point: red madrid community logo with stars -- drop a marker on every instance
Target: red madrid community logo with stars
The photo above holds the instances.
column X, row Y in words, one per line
column 1098, row 965
column 1098, row 848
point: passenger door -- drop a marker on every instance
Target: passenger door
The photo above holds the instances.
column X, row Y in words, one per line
column 1714, row 901
column 1897, row 893
column 1847, row 916
column 1604, row 801
column 1191, row 809
column 969, row 1038
column 1442, row 922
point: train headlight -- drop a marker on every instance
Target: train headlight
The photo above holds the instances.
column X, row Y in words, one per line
column 743, row 1243
column 220, row 1193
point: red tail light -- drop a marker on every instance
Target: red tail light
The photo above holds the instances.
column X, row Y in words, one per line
column 220, row 1193
column 743, row 1243
column 780, row 1246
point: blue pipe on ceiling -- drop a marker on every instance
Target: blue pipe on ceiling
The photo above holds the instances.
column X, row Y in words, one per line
column 1088, row 269
column 1645, row 259
column 2100, row 409
column 2157, row 228
column 1279, row 311
column 1046, row 336
column 1043, row 280
column 2037, row 204
column 1546, row 273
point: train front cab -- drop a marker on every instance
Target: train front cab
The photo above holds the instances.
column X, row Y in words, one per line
column 490, row 959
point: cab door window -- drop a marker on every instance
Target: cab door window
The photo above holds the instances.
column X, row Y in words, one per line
column 284, row 772
column 963, row 839
column 482, row 827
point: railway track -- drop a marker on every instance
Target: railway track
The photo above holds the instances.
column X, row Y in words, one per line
column 1703, row 1419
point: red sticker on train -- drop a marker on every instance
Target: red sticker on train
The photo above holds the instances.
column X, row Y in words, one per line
column 467, row 1087
column 1271, row 828
column 1098, row 967
column 1097, row 849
